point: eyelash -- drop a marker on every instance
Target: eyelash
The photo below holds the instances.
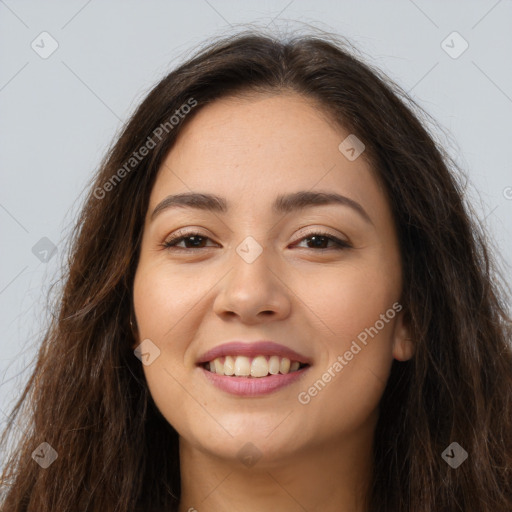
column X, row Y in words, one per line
column 180, row 236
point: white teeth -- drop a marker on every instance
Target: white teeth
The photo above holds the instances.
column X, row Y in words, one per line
column 259, row 366
column 229, row 366
column 285, row 365
column 219, row 367
column 242, row 366
column 273, row 365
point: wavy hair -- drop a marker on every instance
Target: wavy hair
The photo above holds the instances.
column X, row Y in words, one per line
column 87, row 396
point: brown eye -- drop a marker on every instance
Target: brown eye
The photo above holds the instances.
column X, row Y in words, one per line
column 319, row 240
column 193, row 240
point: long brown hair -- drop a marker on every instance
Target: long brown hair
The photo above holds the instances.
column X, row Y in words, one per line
column 87, row 396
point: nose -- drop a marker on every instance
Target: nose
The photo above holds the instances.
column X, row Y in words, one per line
column 253, row 292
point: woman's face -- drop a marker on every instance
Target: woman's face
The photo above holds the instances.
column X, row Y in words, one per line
column 264, row 268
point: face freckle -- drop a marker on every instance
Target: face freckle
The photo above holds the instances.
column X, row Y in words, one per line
column 326, row 302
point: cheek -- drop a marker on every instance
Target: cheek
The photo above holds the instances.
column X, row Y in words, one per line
column 342, row 303
column 162, row 300
column 355, row 306
column 167, row 305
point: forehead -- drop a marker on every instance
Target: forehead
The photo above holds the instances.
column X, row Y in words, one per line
column 254, row 147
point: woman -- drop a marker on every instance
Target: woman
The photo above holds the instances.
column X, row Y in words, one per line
column 276, row 300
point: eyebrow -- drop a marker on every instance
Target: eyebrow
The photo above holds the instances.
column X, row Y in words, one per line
column 283, row 204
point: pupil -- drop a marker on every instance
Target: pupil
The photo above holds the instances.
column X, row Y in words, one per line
column 318, row 240
column 195, row 240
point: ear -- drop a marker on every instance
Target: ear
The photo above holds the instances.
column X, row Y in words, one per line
column 403, row 345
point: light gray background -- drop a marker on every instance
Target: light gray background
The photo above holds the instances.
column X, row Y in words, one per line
column 59, row 114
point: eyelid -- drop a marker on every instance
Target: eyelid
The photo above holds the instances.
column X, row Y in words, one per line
column 182, row 233
column 313, row 230
column 305, row 232
column 187, row 231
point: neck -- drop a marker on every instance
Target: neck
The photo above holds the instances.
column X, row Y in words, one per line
column 329, row 477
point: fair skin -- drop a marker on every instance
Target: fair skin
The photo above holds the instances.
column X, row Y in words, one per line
column 310, row 297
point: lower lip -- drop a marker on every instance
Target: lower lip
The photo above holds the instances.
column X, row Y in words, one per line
column 253, row 386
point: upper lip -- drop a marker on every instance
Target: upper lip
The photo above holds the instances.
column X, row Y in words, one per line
column 252, row 349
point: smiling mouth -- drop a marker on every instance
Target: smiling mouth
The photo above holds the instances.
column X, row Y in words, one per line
column 256, row 367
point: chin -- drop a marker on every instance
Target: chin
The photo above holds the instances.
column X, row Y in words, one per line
column 253, row 444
